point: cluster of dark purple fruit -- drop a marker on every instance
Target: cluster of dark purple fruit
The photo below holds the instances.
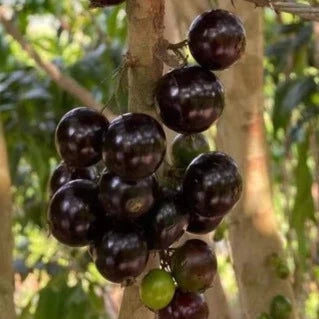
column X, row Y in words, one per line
column 121, row 211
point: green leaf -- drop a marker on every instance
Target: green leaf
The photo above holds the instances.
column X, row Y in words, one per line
column 58, row 300
column 303, row 208
column 290, row 95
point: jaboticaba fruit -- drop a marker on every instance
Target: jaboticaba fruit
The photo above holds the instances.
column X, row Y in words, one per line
column 194, row 266
column 104, row 3
column 127, row 199
column 122, row 253
column 134, row 146
column 165, row 223
column 63, row 174
column 157, row 289
column 185, row 305
column 199, row 224
column 73, row 213
column 212, row 184
column 189, row 99
column 217, row 39
column 78, row 137
column 186, row 147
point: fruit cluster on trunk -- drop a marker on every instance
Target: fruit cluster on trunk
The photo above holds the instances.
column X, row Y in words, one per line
column 105, row 194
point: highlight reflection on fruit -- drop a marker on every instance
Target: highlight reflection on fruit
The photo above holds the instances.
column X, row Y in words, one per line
column 189, row 99
column 217, row 39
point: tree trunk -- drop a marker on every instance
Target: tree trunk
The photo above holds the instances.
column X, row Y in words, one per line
column 253, row 231
column 145, row 28
column 217, row 301
column 6, row 244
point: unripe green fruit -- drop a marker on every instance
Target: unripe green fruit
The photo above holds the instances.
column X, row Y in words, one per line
column 282, row 270
column 194, row 266
column 186, row 147
column 157, row 289
column 280, row 307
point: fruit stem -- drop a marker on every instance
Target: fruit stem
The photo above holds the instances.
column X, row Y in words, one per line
column 179, row 45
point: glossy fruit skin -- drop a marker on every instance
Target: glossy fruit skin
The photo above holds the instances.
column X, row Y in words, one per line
column 217, row 39
column 134, row 146
column 165, row 223
column 186, row 147
column 199, row 224
column 212, row 184
column 73, row 213
column 185, row 306
column 78, row 137
column 123, row 199
column 280, row 307
column 189, row 99
column 157, row 289
column 194, row 266
column 63, row 174
column 122, row 253
column 104, row 3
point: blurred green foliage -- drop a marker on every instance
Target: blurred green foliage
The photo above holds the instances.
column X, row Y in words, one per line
column 88, row 45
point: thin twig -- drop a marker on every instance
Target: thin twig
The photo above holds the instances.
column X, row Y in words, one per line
column 304, row 11
column 64, row 81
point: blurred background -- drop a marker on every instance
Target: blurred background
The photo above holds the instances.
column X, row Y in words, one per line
column 53, row 281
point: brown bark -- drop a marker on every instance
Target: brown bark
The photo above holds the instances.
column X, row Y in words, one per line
column 179, row 16
column 145, row 28
column 217, row 301
column 6, row 243
column 64, row 81
column 253, row 232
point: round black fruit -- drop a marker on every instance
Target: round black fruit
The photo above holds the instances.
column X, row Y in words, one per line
column 212, row 184
column 217, row 39
column 78, row 137
column 104, row 3
column 73, row 213
column 127, row 199
column 199, row 224
column 185, row 306
column 186, row 147
column 194, row 266
column 165, row 223
column 189, row 99
column 122, row 253
column 134, row 146
column 64, row 174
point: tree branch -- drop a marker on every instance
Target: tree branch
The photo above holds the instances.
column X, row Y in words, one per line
column 65, row 82
column 6, row 242
column 304, row 11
